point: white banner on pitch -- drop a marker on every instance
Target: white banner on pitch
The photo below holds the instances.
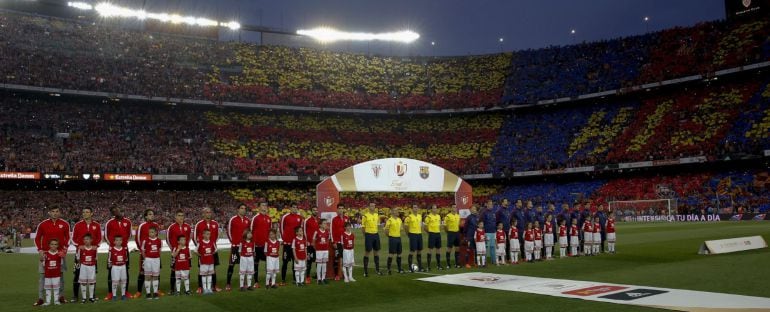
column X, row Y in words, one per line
column 655, row 297
column 732, row 245
column 398, row 175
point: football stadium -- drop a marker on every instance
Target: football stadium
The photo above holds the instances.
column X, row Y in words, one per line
column 384, row 156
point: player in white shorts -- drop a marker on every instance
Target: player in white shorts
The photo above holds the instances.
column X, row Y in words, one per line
column 548, row 237
column 588, row 236
column 574, row 238
column 348, row 254
column 272, row 265
column 562, row 239
column 513, row 241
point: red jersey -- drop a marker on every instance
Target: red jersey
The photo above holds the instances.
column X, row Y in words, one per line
column 310, row 226
column 81, row 228
column 150, row 247
column 235, row 228
column 348, row 240
column 299, row 245
column 271, row 248
column 610, row 226
column 289, row 222
column 597, row 227
column 247, row 248
column 588, row 227
column 321, row 240
column 211, row 225
column 175, row 230
column 548, row 228
column 338, row 227
column 87, row 256
column 182, row 260
column 143, row 231
column 500, row 236
column 529, row 235
column 260, row 228
column 562, row 230
column 115, row 227
column 206, row 250
column 538, row 233
column 52, row 264
column 573, row 230
column 50, row 229
column 513, row 233
column 480, row 236
column 118, row 256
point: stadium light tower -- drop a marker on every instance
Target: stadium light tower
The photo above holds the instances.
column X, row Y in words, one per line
column 646, row 20
column 433, row 48
column 573, row 34
column 501, row 44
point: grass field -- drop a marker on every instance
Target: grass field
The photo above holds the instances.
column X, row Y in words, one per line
column 660, row 254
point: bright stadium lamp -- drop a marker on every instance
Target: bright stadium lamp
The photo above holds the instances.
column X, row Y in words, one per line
column 328, row 35
column 80, row 5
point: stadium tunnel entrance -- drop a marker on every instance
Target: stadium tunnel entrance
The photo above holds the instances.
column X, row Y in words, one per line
column 392, row 175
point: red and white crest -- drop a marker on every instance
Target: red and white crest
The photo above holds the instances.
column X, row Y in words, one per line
column 329, row 201
column 746, row 3
column 464, row 200
column 400, row 169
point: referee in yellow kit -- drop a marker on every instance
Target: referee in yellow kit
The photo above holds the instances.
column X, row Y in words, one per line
column 371, row 222
column 414, row 230
column 433, row 227
column 393, row 227
column 452, row 224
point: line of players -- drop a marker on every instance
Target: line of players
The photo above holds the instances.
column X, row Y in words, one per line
column 302, row 241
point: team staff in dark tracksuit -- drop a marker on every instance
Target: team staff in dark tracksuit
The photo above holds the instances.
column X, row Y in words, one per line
column 469, row 229
column 489, row 217
column 602, row 221
column 504, row 217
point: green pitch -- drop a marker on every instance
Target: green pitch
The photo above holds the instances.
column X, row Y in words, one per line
column 661, row 254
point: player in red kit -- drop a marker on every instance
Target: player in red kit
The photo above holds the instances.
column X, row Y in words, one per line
column 562, row 238
column 117, row 226
column 206, row 250
column 513, row 241
column 176, row 230
column 299, row 248
column 84, row 227
column 150, row 249
column 310, row 227
column 260, row 228
column 47, row 230
column 272, row 249
column 321, row 241
column 337, row 228
column 237, row 225
column 213, row 227
column 181, row 265
column 289, row 223
column 141, row 235
column 588, row 236
column 597, row 236
column 538, row 237
column 610, row 228
column 246, row 266
column 52, row 271
column 480, row 237
column 574, row 238
column 500, row 244
column 548, row 237
column 85, row 255
column 117, row 262
column 529, row 242
column 348, row 240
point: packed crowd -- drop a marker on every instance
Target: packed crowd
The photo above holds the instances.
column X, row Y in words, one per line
column 51, row 52
column 711, row 121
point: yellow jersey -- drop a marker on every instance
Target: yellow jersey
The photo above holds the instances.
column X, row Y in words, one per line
column 414, row 223
column 452, row 221
column 370, row 221
column 433, row 223
column 393, row 226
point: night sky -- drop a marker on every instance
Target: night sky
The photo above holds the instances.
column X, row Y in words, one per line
column 459, row 27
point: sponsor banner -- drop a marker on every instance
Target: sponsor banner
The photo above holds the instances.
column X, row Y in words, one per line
column 580, row 169
column 527, row 173
column 395, row 175
column 692, row 160
column 732, row 245
column 554, row 171
column 745, row 8
column 169, row 177
column 745, row 217
column 673, row 218
column 127, row 177
column 19, row 175
column 200, row 177
column 654, row 297
column 638, row 164
column 666, row 162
